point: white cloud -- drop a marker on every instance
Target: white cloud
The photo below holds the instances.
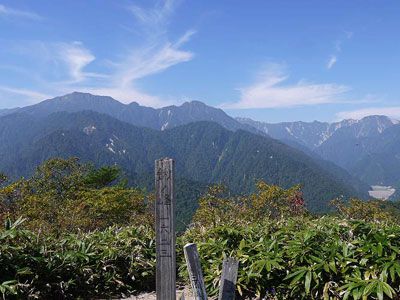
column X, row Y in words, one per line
column 155, row 54
column 76, row 57
column 392, row 112
column 271, row 90
column 152, row 60
column 338, row 49
column 156, row 16
column 11, row 12
column 332, row 61
column 122, row 82
column 128, row 95
column 55, row 62
column 30, row 96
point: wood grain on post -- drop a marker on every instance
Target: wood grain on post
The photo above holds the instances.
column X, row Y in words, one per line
column 227, row 288
column 165, row 230
column 194, row 270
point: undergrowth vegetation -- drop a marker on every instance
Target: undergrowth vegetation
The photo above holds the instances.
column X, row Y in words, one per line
column 324, row 258
column 76, row 232
column 65, row 196
column 83, row 265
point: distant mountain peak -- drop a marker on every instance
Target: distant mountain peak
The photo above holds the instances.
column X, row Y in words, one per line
column 80, row 96
column 314, row 134
column 375, row 117
column 134, row 104
column 77, row 93
column 73, row 95
column 194, row 103
column 134, row 113
column 84, row 96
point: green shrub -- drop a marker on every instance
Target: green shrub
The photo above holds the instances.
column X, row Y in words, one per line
column 324, row 258
column 91, row 236
column 297, row 258
column 84, row 265
column 65, row 196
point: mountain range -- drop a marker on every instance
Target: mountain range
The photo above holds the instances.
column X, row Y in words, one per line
column 133, row 113
column 369, row 148
column 314, row 134
column 208, row 145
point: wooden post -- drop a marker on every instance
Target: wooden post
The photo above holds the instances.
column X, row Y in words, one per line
column 165, row 230
column 227, row 286
column 195, row 273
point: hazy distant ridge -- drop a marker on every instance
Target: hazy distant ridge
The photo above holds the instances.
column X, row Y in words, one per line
column 368, row 148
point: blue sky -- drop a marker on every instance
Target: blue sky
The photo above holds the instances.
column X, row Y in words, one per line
column 268, row 60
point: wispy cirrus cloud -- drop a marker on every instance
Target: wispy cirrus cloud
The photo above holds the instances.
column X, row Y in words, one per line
column 157, row 54
column 67, row 61
column 156, row 17
column 392, row 112
column 152, row 60
column 331, row 62
column 141, row 64
column 334, row 57
column 6, row 11
column 272, row 90
column 70, row 62
column 75, row 57
column 30, row 96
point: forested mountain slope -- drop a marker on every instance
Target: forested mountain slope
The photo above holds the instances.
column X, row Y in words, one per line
column 205, row 152
column 169, row 117
column 366, row 148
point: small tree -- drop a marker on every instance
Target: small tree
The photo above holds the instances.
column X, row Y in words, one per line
column 272, row 201
column 216, row 207
column 370, row 211
column 268, row 202
column 65, row 195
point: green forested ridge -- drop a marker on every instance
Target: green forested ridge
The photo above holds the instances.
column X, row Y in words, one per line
column 205, row 152
column 373, row 158
column 194, row 111
column 367, row 148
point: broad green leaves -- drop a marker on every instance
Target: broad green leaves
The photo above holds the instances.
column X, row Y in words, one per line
column 292, row 259
column 86, row 265
column 317, row 258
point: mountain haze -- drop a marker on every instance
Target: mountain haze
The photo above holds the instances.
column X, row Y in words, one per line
column 314, row 134
column 368, row 148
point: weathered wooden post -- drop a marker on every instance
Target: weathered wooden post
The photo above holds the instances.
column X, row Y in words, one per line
column 165, row 230
column 195, row 272
column 227, row 287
